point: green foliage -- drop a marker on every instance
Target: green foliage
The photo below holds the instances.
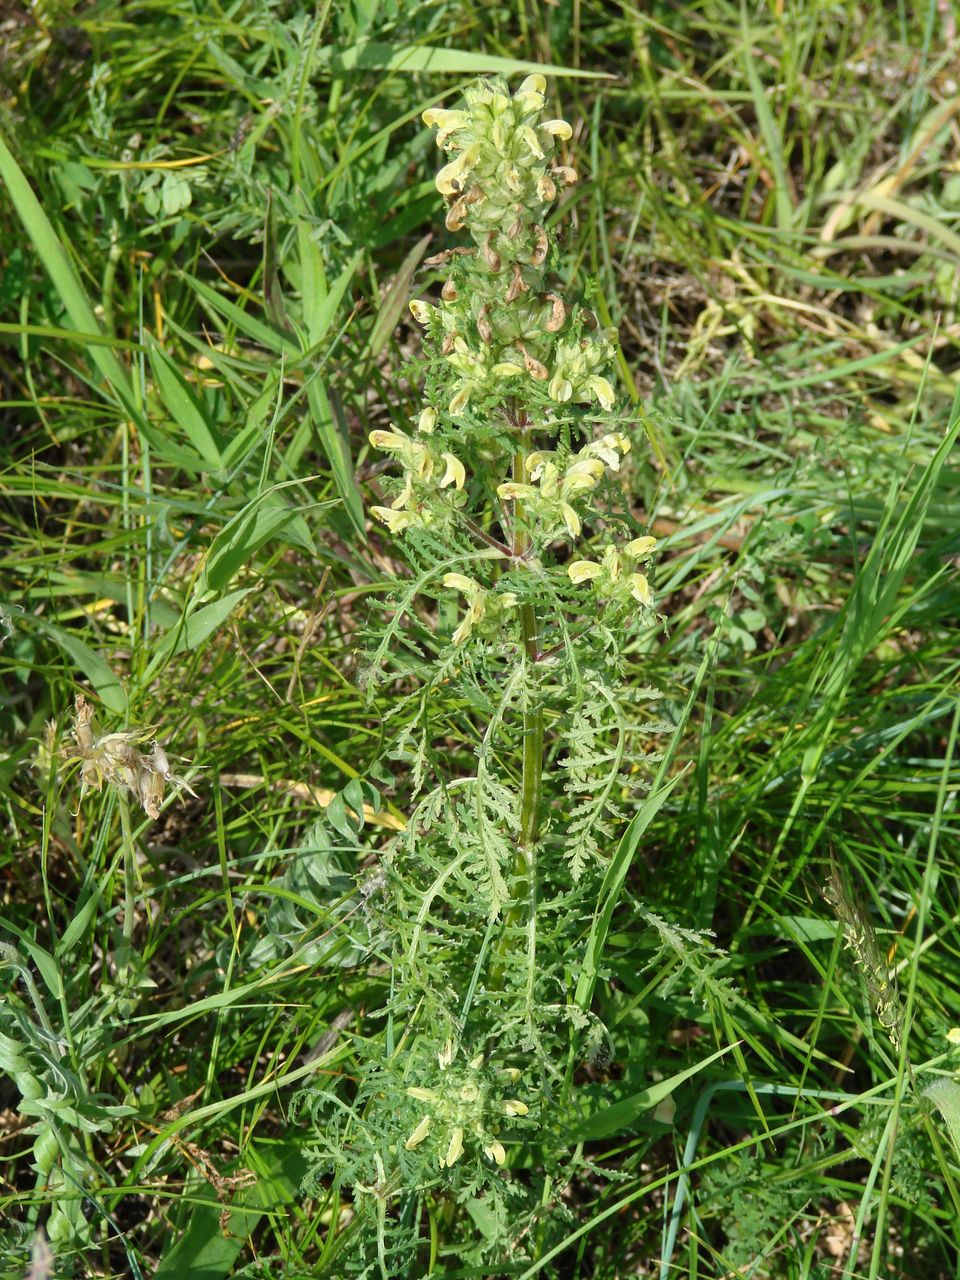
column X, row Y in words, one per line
column 210, row 225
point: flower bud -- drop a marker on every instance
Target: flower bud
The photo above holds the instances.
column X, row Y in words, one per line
column 420, row 311
column 427, row 420
column 558, row 128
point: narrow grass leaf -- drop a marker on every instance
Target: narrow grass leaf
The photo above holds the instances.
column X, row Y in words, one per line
column 619, row 1115
column 376, row 55
column 768, row 128
column 395, row 298
column 96, row 671
column 185, row 408
column 64, row 279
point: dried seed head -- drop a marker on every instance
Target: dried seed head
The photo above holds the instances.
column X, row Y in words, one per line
column 449, row 291
column 541, row 246
column 565, row 174
column 448, row 344
column 483, row 323
column 516, row 226
column 589, row 319
column 438, row 259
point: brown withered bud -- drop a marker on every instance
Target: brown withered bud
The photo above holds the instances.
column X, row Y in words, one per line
column 535, row 369
column 438, row 259
column 449, row 291
column 517, row 285
column 456, row 215
column 448, row 342
column 83, row 727
column 565, row 173
column 589, row 319
column 515, row 228
column 483, row 324
column 490, row 253
column 558, row 313
column 541, row 246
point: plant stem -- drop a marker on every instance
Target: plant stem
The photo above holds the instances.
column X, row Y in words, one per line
column 531, row 787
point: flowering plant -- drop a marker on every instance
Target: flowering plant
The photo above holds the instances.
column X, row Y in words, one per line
column 516, row 457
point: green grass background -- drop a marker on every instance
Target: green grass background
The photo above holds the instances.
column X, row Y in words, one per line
column 211, row 218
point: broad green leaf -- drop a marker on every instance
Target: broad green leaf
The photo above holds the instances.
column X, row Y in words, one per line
column 945, row 1096
column 321, row 317
column 102, row 679
column 264, row 518
column 64, row 279
column 337, row 451
column 208, row 1250
column 185, row 408
column 622, row 1114
column 78, row 925
column 249, row 326
column 199, row 625
column 375, row 55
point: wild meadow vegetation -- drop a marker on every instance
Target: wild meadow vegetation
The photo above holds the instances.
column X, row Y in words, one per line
column 479, row 778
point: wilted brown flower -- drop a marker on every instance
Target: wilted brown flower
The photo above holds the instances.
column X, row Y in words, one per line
column 116, row 758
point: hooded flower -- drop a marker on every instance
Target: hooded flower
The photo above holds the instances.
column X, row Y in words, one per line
column 464, row 1106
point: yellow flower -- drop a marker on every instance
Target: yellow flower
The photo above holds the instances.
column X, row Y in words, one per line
column 640, row 588
column 640, row 548
column 419, row 1133
column 583, row 570
column 454, row 1150
column 460, row 582
column 455, row 473
column 396, row 521
column 495, row 1152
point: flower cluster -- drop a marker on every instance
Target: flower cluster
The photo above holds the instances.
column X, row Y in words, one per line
column 483, row 606
column 115, row 758
column 425, row 469
column 496, row 325
column 465, row 1106
column 616, row 576
column 548, row 497
column 501, row 180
